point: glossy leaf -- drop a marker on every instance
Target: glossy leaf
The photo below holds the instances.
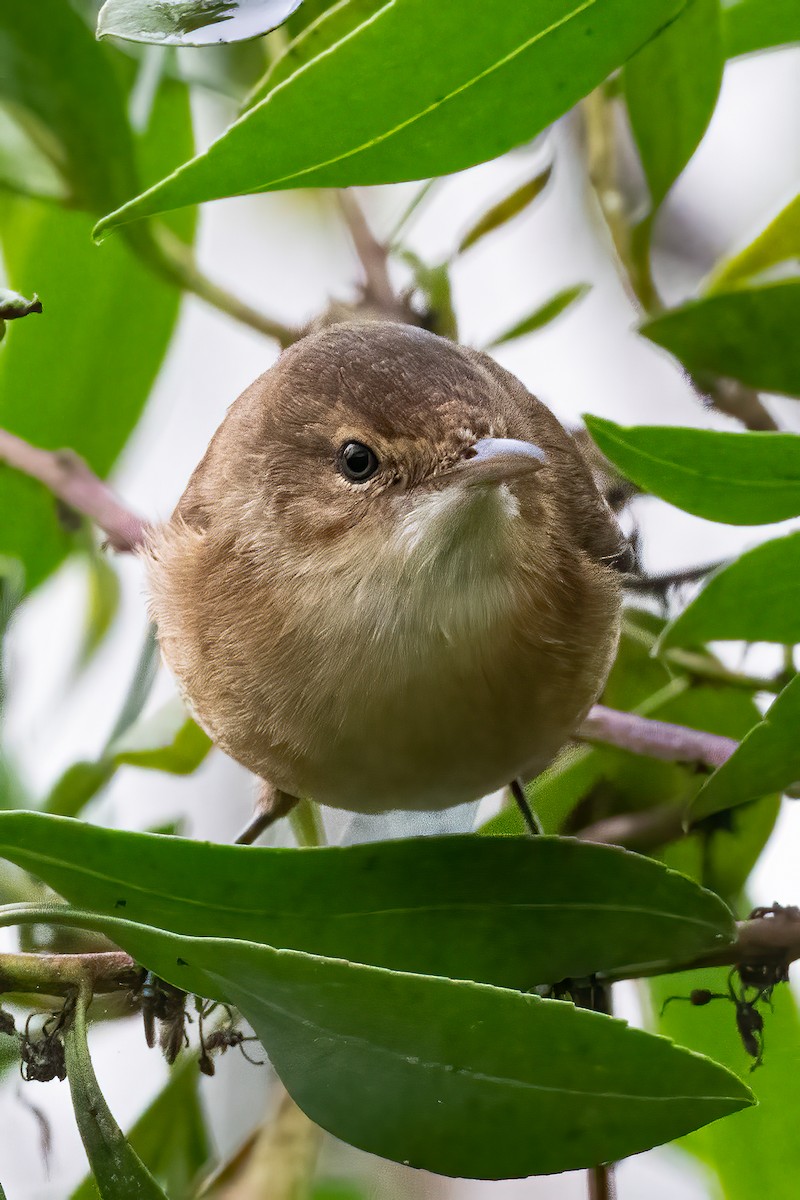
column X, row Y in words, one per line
column 543, row 315
column 514, row 912
column 671, row 91
column 748, row 334
column 778, row 243
column 169, row 1137
column 191, row 22
column 735, row 478
column 506, row 209
column 118, row 1172
column 751, row 25
column 313, row 38
column 755, row 599
column 375, row 121
column 768, row 760
column 454, row 1077
column 166, row 740
column 754, row 1153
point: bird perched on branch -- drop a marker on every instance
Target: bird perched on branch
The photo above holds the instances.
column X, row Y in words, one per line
column 391, row 581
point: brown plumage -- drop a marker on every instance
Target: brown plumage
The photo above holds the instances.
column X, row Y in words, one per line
column 411, row 639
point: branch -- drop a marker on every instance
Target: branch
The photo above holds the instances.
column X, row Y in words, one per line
column 632, row 246
column 657, row 585
column 736, row 400
column 770, row 938
column 175, row 262
column 69, row 478
column 60, row 974
column 655, row 739
column 645, row 830
column 374, row 259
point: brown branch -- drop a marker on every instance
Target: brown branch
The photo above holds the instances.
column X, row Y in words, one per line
column 655, row 739
column 374, row 259
column 735, row 399
column 644, row 830
column 770, row 938
column 617, row 199
column 60, row 974
column 659, row 584
column 69, row 478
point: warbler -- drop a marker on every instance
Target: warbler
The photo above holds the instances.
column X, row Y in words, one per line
column 391, row 582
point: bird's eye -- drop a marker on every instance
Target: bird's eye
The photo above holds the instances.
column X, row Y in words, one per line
column 357, row 462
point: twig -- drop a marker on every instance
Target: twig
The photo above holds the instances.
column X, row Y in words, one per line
column 69, row 478
column 175, row 261
column 60, row 974
column 736, row 400
column 771, row 938
column 373, row 256
column 703, row 666
column 601, row 1182
column 642, row 831
column 659, row 584
column 631, row 242
column 655, row 739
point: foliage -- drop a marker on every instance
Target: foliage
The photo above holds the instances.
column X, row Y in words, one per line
column 425, row 1000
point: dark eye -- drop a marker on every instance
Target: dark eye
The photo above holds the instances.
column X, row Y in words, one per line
column 357, row 462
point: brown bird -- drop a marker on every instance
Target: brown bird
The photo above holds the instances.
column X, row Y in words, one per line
column 391, row 581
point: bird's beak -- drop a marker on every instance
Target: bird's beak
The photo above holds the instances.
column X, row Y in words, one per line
column 495, row 460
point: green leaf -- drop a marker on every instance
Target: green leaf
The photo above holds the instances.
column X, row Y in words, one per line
column 506, row 209
column 83, row 780
column 592, row 783
column 543, row 315
column 24, row 166
column 118, row 1172
column 754, row 599
column 454, row 1077
column 374, row 121
column 755, row 1153
column 107, row 324
column 433, row 284
column 748, row 334
column 768, row 760
column 751, row 25
column 166, row 740
column 51, row 67
column 778, row 243
column 515, row 912
column 735, row 478
column 671, row 88
column 74, row 789
column 102, row 603
column 169, row 1137
column 313, row 37
column 191, row 22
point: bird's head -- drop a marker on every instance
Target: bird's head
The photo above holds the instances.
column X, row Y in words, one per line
column 376, row 444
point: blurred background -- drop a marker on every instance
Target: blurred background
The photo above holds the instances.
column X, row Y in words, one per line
column 291, row 254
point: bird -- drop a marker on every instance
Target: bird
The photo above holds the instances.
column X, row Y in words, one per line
column 391, row 582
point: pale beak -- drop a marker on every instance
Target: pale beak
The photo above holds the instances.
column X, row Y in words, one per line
column 496, row 460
